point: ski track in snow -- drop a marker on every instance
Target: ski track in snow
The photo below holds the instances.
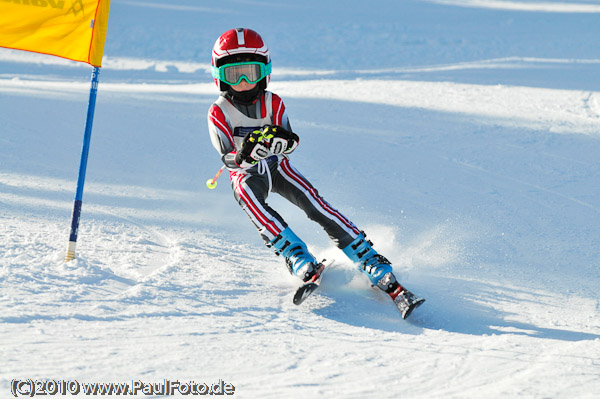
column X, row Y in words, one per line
column 481, row 189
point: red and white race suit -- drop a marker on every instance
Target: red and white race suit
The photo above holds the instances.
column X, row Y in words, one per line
column 228, row 124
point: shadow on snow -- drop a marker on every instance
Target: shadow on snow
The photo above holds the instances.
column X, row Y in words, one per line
column 452, row 305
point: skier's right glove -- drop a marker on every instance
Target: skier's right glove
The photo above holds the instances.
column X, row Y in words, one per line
column 254, row 148
column 281, row 141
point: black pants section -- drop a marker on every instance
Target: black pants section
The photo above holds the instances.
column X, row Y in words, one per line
column 252, row 189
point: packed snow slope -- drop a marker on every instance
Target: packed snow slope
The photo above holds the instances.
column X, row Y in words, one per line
column 463, row 136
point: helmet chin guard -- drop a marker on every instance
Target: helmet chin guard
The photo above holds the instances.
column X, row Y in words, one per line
column 240, row 45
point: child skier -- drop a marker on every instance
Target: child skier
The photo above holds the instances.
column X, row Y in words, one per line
column 249, row 127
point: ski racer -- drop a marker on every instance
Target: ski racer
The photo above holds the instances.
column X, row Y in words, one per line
column 250, row 129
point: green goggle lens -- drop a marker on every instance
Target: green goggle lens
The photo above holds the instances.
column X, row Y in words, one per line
column 233, row 74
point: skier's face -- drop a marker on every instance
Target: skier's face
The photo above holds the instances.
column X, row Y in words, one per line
column 244, row 86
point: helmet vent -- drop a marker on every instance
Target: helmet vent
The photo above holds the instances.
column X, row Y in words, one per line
column 240, row 36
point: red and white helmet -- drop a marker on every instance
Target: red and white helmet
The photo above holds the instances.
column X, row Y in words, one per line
column 237, row 45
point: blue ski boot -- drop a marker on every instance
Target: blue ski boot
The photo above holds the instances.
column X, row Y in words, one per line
column 377, row 268
column 379, row 271
column 298, row 260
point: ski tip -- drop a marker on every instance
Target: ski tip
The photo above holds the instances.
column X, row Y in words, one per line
column 412, row 307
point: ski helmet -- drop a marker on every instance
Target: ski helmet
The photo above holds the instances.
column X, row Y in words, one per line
column 237, row 45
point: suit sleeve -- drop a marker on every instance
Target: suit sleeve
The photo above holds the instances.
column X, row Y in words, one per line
column 280, row 117
column 221, row 136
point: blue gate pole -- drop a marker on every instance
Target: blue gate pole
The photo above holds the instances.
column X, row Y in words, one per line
column 83, row 166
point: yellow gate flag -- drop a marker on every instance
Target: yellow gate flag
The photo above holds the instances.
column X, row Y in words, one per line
column 72, row 29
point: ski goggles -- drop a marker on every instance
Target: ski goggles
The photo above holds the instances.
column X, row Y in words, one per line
column 233, row 74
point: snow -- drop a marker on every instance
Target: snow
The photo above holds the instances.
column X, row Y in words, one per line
column 561, row 7
column 462, row 136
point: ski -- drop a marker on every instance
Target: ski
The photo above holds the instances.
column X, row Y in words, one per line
column 405, row 301
column 311, row 286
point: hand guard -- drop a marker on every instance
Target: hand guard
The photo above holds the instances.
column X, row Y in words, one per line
column 280, row 140
column 254, row 148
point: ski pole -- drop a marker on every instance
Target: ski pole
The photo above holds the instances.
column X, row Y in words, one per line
column 212, row 183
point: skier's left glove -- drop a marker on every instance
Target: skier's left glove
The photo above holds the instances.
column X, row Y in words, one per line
column 281, row 141
column 254, row 148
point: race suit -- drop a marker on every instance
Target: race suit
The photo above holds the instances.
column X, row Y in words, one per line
column 228, row 124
